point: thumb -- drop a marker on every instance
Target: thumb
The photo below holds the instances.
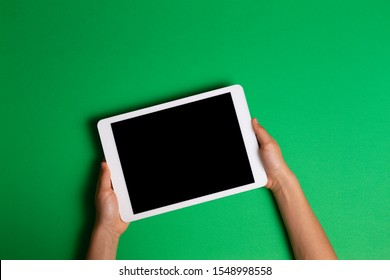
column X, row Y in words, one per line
column 104, row 178
column 262, row 135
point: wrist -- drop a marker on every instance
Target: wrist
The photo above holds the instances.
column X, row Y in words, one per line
column 106, row 232
column 284, row 180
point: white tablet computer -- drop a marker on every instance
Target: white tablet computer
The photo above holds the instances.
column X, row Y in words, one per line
column 182, row 153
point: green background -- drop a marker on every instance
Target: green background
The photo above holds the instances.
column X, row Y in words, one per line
column 316, row 74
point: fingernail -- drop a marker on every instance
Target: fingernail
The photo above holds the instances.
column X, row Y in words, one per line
column 256, row 121
column 102, row 165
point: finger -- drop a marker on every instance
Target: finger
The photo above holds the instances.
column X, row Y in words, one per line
column 105, row 177
column 262, row 135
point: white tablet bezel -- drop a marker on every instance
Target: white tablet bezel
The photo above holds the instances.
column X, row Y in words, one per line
column 117, row 176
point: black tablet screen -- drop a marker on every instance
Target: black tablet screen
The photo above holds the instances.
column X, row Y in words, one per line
column 182, row 153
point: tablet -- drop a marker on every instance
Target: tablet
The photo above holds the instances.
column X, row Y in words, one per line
column 182, row 153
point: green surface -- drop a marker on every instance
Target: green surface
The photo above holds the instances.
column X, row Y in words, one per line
column 316, row 74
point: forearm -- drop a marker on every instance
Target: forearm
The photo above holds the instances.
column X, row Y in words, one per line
column 307, row 237
column 103, row 245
